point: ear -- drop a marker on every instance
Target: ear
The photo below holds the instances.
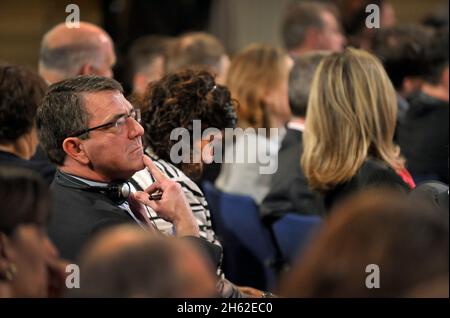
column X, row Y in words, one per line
column 75, row 149
column 86, row 69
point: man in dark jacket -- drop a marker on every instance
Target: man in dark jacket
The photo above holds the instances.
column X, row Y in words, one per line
column 423, row 134
column 93, row 134
column 289, row 190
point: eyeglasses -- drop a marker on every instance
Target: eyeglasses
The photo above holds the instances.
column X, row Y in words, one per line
column 119, row 122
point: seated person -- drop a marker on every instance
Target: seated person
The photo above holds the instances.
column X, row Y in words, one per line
column 21, row 92
column 93, row 134
column 375, row 244
column 29, row 262
column 125, row 261
column 284, row 195
column 173, row 103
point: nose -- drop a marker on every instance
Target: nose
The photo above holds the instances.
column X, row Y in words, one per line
column 136, row 129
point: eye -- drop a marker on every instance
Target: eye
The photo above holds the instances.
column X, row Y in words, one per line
column 121, row 121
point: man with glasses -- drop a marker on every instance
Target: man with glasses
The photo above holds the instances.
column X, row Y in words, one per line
column 93, row 134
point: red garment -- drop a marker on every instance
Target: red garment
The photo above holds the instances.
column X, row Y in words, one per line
column 407, row 178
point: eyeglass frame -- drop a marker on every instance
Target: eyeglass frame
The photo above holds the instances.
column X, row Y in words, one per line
column 112, row 123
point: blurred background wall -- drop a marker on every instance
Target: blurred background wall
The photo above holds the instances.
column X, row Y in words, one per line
column 235, row 22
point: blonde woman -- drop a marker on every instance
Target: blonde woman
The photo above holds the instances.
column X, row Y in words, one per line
column 348, row 140
column 258, row 79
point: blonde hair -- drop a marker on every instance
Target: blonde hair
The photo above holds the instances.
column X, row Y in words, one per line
column 351, row 115
column 252, row 71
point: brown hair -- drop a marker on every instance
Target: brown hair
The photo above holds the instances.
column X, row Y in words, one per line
column 254, row 70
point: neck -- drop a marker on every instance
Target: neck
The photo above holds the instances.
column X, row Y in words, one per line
column 83, row 173
column 300, row 50
column 19, row 148
column 297, row 120
column 276, row 122
column 436, row 91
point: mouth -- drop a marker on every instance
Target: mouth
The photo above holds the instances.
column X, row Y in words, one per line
column 137, row 149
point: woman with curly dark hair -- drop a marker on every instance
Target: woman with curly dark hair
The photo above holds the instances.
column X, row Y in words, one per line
column 192, row 106
column 187, row 104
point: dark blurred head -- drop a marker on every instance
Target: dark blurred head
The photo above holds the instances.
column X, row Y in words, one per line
column 200, row 51
column 437, row 57
column 21, row 92
column 311, row 25
column 146, row 59
column 407, row 241
column 402, row 50
column 24, row 245
column 126, row 261
column 300, row 79
column 178, row 99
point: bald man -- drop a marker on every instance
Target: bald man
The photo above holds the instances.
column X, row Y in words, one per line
column 68, row 52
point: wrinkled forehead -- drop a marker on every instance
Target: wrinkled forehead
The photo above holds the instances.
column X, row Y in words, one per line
column 104, row 104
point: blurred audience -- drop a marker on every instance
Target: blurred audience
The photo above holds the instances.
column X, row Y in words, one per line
column 402, row 50
column 68, row 52
column 289, row 192
column 348, row 144
column 126, row 261
column 146, row 61
column 29, row 263
column 406, row 241
column 258, row 79
column 423, row 134
column 311, row 26
column 354, row 18
column 201, row 51
column 21, row 92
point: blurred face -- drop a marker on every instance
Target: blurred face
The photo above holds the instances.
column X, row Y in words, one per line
column 331, row 37
column 115, row 153
column 277, row 98
column 31, row 251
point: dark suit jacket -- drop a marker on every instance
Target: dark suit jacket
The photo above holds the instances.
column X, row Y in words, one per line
column 289, row 191
column 423, row 138
column 44, row 168
column 78, row 214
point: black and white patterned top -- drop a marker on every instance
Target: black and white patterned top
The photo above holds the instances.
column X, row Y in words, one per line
column 143, row 179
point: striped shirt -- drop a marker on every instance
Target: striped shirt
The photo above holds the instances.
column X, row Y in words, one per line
column 199, row 206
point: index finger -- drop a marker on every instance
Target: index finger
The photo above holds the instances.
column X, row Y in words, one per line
column 153, row 169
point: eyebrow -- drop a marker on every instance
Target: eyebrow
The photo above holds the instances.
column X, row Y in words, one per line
column 113, row 117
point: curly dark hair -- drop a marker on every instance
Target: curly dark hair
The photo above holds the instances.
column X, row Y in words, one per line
column 21, row 92
column 178, row 99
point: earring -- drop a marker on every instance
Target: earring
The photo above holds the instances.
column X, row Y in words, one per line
column 10, row 272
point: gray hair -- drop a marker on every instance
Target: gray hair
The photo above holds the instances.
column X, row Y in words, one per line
column 68, row 59
column 299, row 18
column 63, row 111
